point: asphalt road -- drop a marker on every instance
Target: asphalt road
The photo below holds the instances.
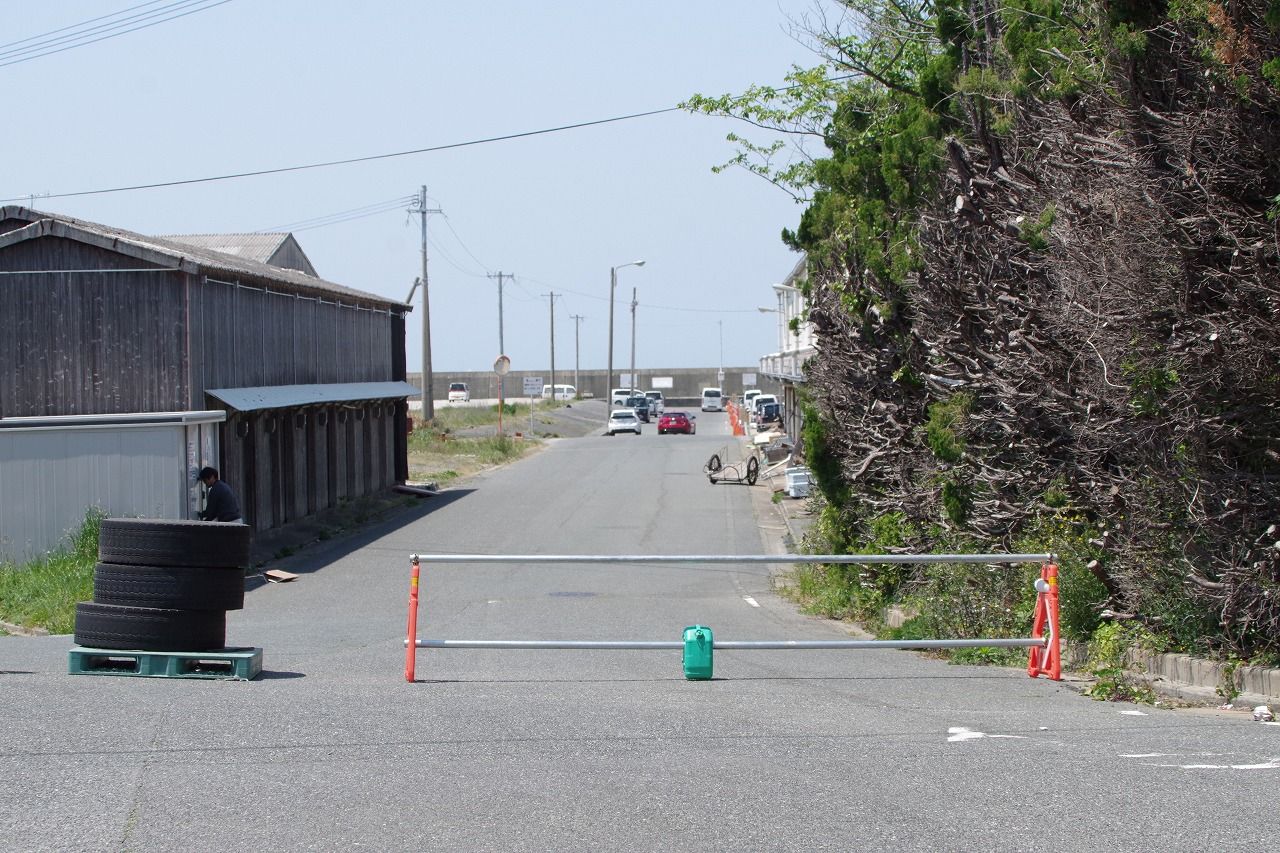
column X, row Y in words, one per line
column 597, row 750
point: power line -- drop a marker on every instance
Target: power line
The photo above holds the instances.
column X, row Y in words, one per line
column 370, row 158
column 464, row 245
column 341, row 216
column 647, row 305
column 47, row 47
column 81, row 24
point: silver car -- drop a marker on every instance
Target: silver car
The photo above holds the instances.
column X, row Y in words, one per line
column 622, row 420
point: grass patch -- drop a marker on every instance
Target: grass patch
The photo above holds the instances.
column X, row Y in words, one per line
column 43, row 593
column 446, row 459
column 451, row 419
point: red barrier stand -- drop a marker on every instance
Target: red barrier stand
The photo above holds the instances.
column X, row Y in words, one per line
column 411, row 647
column 1046, row 661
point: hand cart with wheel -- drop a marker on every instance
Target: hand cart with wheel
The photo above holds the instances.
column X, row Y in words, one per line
column 746, row 471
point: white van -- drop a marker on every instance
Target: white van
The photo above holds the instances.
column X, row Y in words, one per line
column 712, row 400
column 458, row 393
column 562, row 392
column 748, row 396
column 760, row 400
column 618, row 396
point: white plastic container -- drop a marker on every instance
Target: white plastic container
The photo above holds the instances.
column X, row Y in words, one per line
column 797, row 482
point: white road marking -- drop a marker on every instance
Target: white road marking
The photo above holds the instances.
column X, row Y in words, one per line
column 959, row 733
column 1134, row 713
column 749, row 600
column 1271, row 764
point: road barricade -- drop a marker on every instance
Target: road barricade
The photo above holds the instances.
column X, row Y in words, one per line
column 1045, row 658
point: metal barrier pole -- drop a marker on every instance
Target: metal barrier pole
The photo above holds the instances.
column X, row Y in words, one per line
column 736, row 559
column 1045, row 648
column 411, row 644
column 736, row 645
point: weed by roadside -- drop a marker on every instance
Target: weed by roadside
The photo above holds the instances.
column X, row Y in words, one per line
column 1106, row 664
column 443, row 459
column 43, row 592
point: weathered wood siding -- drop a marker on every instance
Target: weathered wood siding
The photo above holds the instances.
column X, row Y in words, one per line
column 248, row 335
column 77, row 343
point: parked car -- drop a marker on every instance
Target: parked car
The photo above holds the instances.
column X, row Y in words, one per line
column 640, row 404
column 712, row 400
column 458, row 393
column 748, row 397
column 759, row 401
column 618, row 396
column 767, row 414
column 674, row 421
column 660, row 403
column 622, row 420
column 562, row 392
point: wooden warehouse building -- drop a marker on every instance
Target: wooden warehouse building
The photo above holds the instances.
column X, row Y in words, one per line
column 99, row 321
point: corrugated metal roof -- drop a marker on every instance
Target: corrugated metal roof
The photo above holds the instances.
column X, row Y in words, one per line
column 255, row 247
column 283, row 396
column 189, row 257
column 129, row 419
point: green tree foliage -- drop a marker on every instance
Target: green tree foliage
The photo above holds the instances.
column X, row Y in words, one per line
column 1043, row 263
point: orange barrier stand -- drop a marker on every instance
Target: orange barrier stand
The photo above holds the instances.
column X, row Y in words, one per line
column 411, row 647
column 1046, row 661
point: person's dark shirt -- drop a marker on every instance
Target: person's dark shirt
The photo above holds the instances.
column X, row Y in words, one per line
column 220, row 504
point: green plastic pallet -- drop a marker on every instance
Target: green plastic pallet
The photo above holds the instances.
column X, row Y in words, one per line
column 243, row 664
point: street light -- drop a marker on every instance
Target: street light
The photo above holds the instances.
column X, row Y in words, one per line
column 613, row 285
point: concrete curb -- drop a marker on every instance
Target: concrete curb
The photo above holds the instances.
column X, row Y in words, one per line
column 1189, row 677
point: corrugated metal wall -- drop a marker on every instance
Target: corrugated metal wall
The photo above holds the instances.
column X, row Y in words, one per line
column 50, row 477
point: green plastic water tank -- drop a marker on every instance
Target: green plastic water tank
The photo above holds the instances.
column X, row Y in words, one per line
column 698, row 644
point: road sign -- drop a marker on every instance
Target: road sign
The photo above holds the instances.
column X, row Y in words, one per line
column 533, row 386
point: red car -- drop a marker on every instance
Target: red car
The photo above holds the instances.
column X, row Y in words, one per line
column 676, row 422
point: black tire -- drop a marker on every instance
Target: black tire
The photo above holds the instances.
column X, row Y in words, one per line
column 160, row 542
column 753, row 471
column 178, row 588
column 110, row 626
column 713, row 464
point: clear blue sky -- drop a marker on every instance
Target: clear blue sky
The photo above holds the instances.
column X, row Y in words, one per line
column 251, row 84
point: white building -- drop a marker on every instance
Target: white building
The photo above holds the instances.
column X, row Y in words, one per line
column 796, row 343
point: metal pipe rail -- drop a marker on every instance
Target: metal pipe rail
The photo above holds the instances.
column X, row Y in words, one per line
column 731, row 645
column 736, row 558
column 1044, row 644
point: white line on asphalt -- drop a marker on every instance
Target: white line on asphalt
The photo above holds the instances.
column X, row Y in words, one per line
column 749, row 600
column 960, row 733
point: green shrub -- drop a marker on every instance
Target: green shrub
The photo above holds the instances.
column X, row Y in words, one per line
column 1107, row 665
column 942, row 432
column 43, row 592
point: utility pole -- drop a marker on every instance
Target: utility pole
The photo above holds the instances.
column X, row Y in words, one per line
column 613, row 285
column 428, row 392
column 502, row 380
column 577, row 319
column 553, row 345
column 633, row 383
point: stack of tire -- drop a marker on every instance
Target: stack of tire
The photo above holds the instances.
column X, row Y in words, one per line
column 164, row 586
